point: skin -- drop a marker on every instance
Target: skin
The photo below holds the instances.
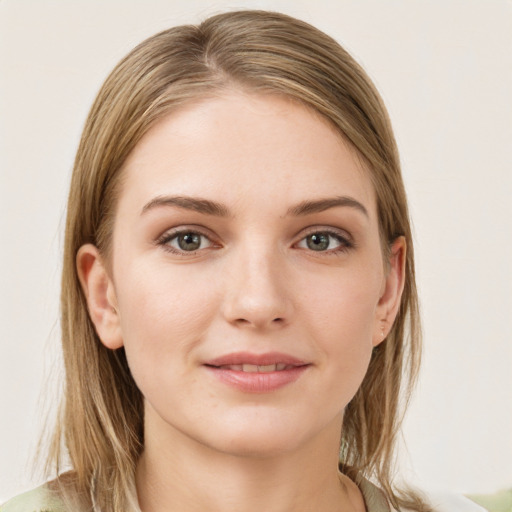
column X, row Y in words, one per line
column 253, row 285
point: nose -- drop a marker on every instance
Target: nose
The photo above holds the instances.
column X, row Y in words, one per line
column 258, row 293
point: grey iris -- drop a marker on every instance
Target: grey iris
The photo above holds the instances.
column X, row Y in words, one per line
column 318, row 242
column 189, row 241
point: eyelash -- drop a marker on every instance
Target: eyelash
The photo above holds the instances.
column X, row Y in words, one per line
column 169, row 236
column 345, row 244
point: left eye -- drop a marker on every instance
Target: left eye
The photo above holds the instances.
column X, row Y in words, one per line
column 187, row 241
column 322, row 241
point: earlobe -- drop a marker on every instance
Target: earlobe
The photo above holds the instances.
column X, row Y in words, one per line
column 389, row 302
column 100, row 294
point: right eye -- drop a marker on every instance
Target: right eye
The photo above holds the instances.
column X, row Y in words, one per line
column 185, row 241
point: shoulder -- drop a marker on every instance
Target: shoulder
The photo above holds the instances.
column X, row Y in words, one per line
column 498, row 502
column 41, row 499
column 448, row 502
column 439, row 502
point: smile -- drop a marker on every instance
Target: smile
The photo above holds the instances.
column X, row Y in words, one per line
column 257, row 373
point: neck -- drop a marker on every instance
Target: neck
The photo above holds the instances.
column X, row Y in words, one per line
column 177, row 473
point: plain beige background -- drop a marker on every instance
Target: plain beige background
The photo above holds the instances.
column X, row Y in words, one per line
column 444, row 69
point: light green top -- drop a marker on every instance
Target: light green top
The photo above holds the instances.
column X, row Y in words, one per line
column 42, row 499
column 499, row 502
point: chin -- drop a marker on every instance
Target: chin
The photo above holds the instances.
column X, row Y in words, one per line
column 258, row 439
column 263, row 447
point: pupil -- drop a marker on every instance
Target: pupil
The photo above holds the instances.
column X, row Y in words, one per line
column 318, row 242
column 189, row 241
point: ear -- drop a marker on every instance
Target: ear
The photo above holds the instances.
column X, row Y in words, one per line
column 99, row 292
column 391, row 293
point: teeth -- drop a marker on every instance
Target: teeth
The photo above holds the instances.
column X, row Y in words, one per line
column 267, row 368
column 253, row 368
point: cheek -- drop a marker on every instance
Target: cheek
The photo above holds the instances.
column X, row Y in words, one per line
column 341, row 315
column 345, row 303
column 164, row 315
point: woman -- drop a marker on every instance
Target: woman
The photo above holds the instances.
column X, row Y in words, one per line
column 239, row 311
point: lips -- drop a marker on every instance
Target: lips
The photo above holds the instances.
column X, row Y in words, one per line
column 246, row 358
column 257, row 373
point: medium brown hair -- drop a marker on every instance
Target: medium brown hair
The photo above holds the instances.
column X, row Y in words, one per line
column 101, row 422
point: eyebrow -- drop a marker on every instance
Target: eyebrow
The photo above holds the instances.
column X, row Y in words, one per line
column 208, row 207
column 188, row 203
column 320, row 205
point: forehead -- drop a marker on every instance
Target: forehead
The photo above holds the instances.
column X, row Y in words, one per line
column 246, row 148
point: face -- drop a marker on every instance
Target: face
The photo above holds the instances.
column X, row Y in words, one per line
column 247, row 284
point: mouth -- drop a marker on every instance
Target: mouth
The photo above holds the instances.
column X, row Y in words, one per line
column 256, row 363
column 257, row 373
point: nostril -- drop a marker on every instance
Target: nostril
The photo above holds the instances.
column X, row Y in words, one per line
column 245, row 321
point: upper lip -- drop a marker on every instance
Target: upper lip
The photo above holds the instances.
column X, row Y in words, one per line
column 256, row 359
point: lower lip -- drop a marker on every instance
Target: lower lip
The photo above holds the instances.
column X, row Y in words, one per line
column 256, row 382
